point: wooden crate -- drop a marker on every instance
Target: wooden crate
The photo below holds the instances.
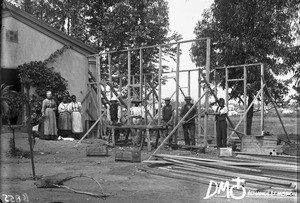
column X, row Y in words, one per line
column 259, row 145
column 97, row 150
column 131, row 156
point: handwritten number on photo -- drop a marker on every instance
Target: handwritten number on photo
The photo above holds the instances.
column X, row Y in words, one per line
column 15, row 198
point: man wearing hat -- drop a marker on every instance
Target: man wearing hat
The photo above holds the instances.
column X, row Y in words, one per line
column 168, row 116
column 114, row 114
column 189, row 122
column 137, row 115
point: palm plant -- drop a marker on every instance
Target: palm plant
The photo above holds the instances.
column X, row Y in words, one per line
column 5, row 93
column 4, row 98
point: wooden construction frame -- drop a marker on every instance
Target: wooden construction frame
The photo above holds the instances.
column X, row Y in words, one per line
column 96, row 82
column 129, row 78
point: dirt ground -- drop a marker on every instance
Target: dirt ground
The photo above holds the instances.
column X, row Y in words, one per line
column 122, row 180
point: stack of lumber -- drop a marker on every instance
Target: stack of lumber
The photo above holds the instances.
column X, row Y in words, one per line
column 259, row 174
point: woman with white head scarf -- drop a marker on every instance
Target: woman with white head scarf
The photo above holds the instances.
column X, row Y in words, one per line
column 48, row 113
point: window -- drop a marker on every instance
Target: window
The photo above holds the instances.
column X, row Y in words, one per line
column 12, row 36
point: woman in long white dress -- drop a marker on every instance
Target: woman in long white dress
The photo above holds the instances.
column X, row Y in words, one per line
column 49, row 118
column 77, row 126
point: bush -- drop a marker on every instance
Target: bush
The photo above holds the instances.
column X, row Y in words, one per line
column 43, row 79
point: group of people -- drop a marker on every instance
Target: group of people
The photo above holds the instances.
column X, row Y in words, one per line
column 188, row 111
column 69, row 118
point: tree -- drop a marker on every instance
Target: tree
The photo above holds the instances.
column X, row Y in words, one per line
column 250, row 31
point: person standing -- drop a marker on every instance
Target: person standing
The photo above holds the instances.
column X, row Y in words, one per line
column 189, row 122
column 168, row 117
column 64, row 119
column 49, row 118
column 114, row 114
column 137, row 115
column 77, row 126
column 220, row 113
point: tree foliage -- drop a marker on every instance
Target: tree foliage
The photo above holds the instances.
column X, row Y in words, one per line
column 43, row 79
column 251, row 31
column 129, row 24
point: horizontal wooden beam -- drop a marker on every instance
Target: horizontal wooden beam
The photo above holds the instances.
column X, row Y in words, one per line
column 239, row 66
column 151, row 46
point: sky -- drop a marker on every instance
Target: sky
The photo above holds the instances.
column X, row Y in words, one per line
column 183, row 17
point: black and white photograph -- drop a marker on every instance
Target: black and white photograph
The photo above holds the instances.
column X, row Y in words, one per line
column 137, row 101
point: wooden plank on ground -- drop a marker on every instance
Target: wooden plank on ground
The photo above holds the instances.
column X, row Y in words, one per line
column 277, row 157
column 216, row 165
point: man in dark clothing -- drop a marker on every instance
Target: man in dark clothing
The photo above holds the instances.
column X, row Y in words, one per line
column 189, row 122
column 167, row 117
column 220, row 112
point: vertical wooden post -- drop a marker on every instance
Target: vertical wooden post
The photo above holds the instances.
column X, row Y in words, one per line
column 199, row 106
column 88, row 99
column 146, row 117
column 159, row 85
column 98, row 70
column 206, row 89
column 120, row 90
column 216, row 92
column 245, row 99
column 141, row 74
column 110, row 74
column 226, row 84
column 128, row 83
column 189, row 83
column 153, row 97
column 177, row 90
column 262, row 106
column 29, row 127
